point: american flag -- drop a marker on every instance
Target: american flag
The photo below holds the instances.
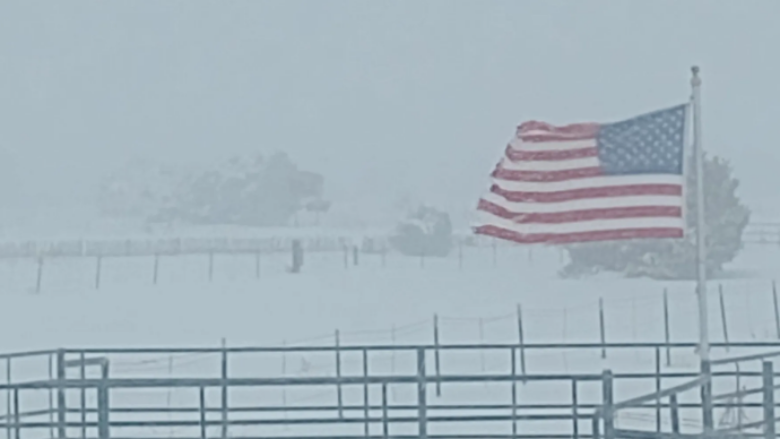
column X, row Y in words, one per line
column 590, row 182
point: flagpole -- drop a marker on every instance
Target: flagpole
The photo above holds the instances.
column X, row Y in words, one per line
column 701, row 253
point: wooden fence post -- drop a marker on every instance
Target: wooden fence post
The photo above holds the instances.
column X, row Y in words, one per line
column 460, row 254
column 602, row 331
column 98, row 271
column 211, row 266
column 521, row 340
column 495, row 253
column 39, row 278
column 667, row 335
column 723, row 316
column 777, row 310
column 156, row 269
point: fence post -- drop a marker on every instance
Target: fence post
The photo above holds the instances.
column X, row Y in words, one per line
column 495, row 253
column 521, row 338
column 211, row 266
column 706, row 398
column 574, row 409
column 385, row 426
column 8, row 398
column 723, row 316
column 202, row 412
column 481, row 341
column 224, row 389
column 602, row 331
column 366, row 425
column 460, row 254
column 284, row 373
column 338, row 376
column 17, row 418
column 667, row 336
column 608, row 405
column 51, row 392
column 658, row 389
column 61, row 401
column 422, row 407
column 777, row 310
column 674, row 408
column 98, row 270
column 437, row 364
column 83, row 394
column 514, row 394
column 39, row 278
column 156, row 271
column 104, row 423
column 769, row 400
column 596, row 431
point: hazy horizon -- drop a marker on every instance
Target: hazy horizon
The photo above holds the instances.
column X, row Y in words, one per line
column 385, row 100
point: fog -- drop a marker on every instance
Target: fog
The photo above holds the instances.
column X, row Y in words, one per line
column 250, row 207
column 385, row 99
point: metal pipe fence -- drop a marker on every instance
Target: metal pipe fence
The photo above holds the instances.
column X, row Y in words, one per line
column 226, row 401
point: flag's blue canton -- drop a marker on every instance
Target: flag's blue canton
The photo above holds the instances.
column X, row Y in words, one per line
column 652, row 143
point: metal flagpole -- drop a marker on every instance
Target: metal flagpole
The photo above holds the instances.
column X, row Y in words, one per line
column 701, row 254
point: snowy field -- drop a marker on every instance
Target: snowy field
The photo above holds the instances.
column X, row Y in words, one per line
column 381, row 301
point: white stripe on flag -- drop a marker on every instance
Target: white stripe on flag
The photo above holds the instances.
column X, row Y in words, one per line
column 588, row 203
column 487, row 218
column 552, row 146
column 612, row 181
column 558, row 165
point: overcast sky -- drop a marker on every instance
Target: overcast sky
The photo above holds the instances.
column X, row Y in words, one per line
column 383, row 98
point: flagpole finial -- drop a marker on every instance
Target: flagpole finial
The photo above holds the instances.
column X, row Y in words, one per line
column 695, row 80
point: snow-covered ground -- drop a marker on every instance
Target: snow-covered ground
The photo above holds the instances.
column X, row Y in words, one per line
column 381, row 301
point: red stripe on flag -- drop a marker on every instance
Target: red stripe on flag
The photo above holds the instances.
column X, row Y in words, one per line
column 568, row 238
column 546, row 176
column 536, row 131
column 518, row 155
column 573, row 216
column 588, row 192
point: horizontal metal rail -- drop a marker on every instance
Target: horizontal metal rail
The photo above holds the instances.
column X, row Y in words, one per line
column 414, row 347
column 118, row 383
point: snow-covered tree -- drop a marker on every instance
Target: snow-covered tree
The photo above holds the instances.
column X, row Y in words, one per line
column 725, row 219
column 253, row 192
column 138, row 189
column 425, row 232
